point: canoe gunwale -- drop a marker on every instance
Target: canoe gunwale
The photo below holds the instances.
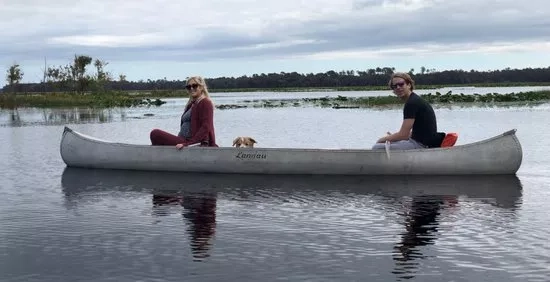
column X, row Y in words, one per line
column 88, row 138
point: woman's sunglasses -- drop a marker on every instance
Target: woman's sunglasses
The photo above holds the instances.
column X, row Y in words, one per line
column 194, row 86
column 400, row 84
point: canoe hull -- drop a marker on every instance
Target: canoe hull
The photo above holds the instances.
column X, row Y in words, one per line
column 501, row 154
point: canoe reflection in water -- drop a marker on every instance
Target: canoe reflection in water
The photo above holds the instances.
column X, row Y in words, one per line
column 421, row 218
column 423, row 198
column 200, row 212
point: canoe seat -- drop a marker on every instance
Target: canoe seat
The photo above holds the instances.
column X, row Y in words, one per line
column 449, row 140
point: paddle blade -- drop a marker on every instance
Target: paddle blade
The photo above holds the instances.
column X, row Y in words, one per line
column 388, row 149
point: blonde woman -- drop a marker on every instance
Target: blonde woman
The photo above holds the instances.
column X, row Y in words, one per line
column 197, row 120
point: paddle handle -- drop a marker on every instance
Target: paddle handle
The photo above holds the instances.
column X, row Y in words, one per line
column 387, row 145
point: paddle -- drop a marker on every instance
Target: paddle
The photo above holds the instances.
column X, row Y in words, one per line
column 387, row 145
column 191, row 145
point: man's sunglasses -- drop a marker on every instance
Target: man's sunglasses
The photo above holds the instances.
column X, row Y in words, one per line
column 189, row 86
column 400, row 84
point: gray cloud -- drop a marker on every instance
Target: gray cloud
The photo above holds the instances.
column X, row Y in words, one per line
column 161, row 30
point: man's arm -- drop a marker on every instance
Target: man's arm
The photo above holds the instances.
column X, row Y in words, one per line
column 403, row 134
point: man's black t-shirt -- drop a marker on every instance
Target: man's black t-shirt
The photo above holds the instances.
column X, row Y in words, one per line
column 425, row 125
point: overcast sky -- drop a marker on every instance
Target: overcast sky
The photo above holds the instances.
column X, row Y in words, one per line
column 155, row 39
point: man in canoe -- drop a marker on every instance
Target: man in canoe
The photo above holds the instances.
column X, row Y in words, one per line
column 197, row 120
column 419, row 127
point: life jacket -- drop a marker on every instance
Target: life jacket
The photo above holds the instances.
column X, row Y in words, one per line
column 449, row 140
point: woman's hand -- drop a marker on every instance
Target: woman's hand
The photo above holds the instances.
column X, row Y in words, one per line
column 179, row 146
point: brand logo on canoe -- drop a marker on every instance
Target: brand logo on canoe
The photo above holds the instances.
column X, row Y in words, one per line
column 241, row 155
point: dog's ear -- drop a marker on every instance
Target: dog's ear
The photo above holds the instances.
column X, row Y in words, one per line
column 252, row 139
column 236, row 140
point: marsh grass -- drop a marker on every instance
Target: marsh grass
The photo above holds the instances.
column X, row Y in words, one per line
column 380, row 102
column 450, row 98
column 152, row 98
column 92, row 100
column 374, row 87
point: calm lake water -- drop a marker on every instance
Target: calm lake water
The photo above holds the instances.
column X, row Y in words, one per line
column 61, row 224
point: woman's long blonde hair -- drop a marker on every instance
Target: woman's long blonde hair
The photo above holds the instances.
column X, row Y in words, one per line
column 204, row 88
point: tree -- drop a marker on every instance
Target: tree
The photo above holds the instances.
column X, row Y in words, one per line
column 78, row 72
column 14, row 76
column 59, row 77
column 100, row 69
column 102, row 77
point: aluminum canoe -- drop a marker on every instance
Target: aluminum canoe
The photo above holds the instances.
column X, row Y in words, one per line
column 500, row 154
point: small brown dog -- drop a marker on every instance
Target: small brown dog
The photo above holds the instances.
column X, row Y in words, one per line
column 244, row 141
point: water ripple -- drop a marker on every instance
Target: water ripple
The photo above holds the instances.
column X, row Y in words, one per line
column 147, row 227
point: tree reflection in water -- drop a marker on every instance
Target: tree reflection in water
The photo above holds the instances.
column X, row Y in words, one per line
column 60, row 116
column 15, row 118
column 78, row 115
column 199, row 211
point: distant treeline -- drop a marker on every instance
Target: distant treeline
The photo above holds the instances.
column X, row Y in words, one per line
column 377, row 77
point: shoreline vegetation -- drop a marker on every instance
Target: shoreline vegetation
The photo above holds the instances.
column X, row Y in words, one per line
column 376, row 88
column 86, row 82
column 437, row 99
column 91, row 100
column 154, row 98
